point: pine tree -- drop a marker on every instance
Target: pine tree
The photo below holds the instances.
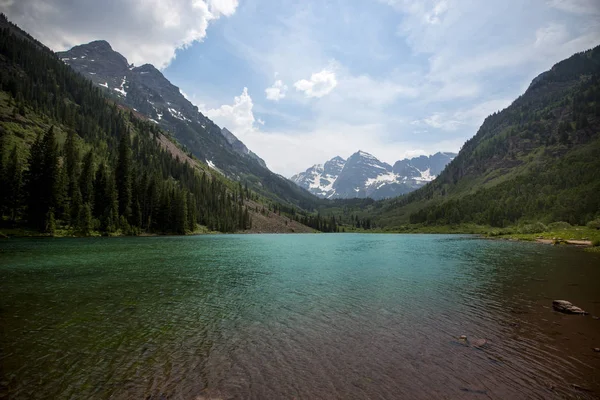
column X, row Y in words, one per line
column 34, row 180
column 106, row 206
column 51, row 174
column 43, row 180
column 75, row 205
column 14, row 184
column 73, row 198
column 84, row 220
column 86, row 179
column 124, row 176
column 2, row 175
column 49, row 223
column 191, row 212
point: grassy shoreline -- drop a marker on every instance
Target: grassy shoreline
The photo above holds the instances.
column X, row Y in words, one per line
column 555, row 234
column 561, row 235
column 7, row 233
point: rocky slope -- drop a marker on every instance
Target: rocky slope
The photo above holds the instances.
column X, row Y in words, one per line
column 363, row 175
column 148, row 92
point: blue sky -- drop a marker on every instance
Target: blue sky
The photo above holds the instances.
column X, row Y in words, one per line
column 302, row 81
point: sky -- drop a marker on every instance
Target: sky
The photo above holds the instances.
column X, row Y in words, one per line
column 300, row 82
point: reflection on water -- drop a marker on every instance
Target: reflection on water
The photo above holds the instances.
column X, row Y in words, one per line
column 296, row 316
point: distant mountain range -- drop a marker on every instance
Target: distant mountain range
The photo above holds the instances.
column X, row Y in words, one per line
column 363, row 175
column 146, row 91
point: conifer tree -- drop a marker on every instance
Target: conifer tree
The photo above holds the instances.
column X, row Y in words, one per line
column 84, row 220
column 13, row 184
column 43, row 180
column 124, row 176
column 2, row 174
column 86, row 179
column 34, row 179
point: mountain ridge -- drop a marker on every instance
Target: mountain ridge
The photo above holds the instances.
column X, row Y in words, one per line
column 536, row 160
column 364, row 176
column 148, row 92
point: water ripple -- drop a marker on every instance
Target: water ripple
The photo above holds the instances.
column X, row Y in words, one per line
column 295, row 316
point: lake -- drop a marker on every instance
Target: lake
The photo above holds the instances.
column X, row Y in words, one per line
column 318, row 316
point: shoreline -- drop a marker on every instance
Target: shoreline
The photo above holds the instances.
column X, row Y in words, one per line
column 579, row 237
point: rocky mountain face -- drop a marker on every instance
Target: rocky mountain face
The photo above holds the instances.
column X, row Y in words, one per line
column 319, row 178
column 363, row 175
column 240, row 147
column 146, row 90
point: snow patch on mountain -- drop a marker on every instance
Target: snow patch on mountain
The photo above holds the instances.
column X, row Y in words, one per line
column 363, row 175
column 382, row 179
column 121, row 90
column 320, row 178
column 211, row 164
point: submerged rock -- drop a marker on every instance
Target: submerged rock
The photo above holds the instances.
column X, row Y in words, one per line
column 566, row 307
column 479, row 343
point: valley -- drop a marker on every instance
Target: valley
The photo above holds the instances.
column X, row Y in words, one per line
column 152, row 248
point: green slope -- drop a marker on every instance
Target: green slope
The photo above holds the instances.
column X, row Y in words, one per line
column 537, row 160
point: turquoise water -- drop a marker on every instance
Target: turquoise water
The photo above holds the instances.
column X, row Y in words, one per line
column 296, row 316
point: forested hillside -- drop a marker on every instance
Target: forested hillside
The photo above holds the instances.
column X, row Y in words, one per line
column 537, row 160
column 70, row 159
column 146, row 90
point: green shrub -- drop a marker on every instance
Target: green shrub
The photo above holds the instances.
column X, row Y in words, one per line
column 595, row 224
column 533, row 228
column 596, row 243
column 559, row 225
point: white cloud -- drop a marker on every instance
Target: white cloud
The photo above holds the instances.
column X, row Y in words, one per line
column 277, row 91
column 224, row 7
column 375, row 92
column 441, row 121
column 291, row 152
column 439, row 9
column 288, row 152
column 238, row 117
column 550, row 35
column 144, row 31
column 589, row 7
column 319, row 84
column 469, row 118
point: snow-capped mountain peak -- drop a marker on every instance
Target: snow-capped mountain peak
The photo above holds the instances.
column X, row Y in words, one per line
column 319, row 178
column 363, row 175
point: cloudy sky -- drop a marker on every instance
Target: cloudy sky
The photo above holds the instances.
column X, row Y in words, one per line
column 302, row 81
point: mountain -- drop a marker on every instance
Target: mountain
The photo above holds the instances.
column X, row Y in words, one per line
column 240, row 147
column 538, row 160
column 73, row 162
column 146, row 91
column 319, row 178
column 363, row 175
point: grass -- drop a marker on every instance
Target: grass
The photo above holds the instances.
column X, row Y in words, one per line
column 27, row 232
column 571, row 233
column 6, row 233
column 558, row 233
